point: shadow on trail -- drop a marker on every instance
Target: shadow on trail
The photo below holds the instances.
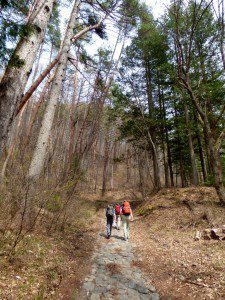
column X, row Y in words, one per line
column 103, row 234
column 117, row 237
column 113, row 236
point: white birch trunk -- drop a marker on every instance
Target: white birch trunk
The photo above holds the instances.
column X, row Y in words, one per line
column 14, row 79
column 38, row 159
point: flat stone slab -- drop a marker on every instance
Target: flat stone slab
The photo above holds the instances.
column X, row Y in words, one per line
column 113, row 275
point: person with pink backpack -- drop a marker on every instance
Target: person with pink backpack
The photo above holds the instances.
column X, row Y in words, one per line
column 118, row 213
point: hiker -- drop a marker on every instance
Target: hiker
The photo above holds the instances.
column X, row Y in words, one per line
column 110, row 213
column 127, row 216
column 118, row 213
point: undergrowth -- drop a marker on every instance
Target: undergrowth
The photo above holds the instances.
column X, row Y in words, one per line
column 44, row 242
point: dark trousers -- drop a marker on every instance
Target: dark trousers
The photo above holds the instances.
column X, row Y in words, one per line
column 109, row 225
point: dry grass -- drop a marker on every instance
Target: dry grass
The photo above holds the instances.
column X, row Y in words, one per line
column 54, row 254
column 179, row 266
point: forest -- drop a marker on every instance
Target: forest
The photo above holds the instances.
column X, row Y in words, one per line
column 103, row 101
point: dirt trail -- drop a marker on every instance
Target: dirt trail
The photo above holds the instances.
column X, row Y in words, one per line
column 113, row 275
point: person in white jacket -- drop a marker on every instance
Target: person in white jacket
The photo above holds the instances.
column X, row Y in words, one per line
column 127, row 216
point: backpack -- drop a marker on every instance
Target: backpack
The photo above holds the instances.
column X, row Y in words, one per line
column 117, row 208
column 126, row 208
column 110, row 211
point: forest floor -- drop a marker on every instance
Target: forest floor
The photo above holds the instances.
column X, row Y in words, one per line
column 162, row 248
column 179, row 266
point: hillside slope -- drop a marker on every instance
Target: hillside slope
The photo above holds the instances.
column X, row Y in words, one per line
column 164, row 232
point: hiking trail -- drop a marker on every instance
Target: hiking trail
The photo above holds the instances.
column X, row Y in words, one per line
column 113, row 275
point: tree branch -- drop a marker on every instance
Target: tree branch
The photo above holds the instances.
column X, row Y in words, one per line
column 42, row 76
column 220, row 139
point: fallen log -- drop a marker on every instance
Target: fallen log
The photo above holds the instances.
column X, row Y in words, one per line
column 211, row 234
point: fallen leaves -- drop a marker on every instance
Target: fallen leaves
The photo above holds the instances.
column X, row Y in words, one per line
column 180, row 267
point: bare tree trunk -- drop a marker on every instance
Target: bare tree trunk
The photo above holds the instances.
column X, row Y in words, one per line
column 128, row 163
column 194, row 172
column 113, row 163
column 38, row 159
column 200, row 150
column 72, row 117
column 37, row 82
column 35, row 111
column 38, row 62
column 176, row 176
column 112, row 177
column 141, row 175
column 169, row 158
column 157, row 180
column 97, row 162
column 149, row 168
column 105, row 166
column 217, row 169
column 162, row 129
column 13, row 143
column 166, row 166
column 167, row 143
column 181, row 157
column 14, row 80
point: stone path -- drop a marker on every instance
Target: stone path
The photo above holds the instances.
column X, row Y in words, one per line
column 113, row 275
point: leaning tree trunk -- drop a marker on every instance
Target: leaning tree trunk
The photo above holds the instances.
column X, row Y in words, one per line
column 217, row 169
column 48, row 69
column 200, row 150
column 14, row 80
column 72, row 118
column 214, row 144
column 105, row 166
column 13, row 144
column 38, row 159
column 194, row 172
column 34, row 114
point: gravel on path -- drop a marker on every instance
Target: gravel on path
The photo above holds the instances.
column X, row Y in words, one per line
column 113, row 275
